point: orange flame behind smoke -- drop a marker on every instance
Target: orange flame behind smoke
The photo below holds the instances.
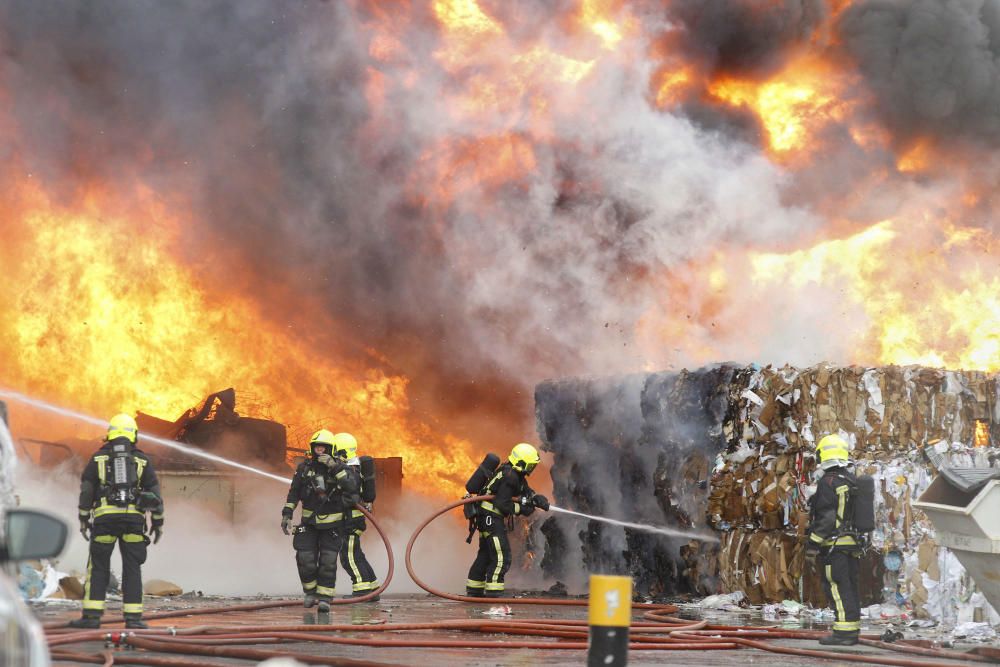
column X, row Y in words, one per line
column 102, row 318
column 792, row 106
column 982, row 436
column 894, row 272
column 929, row 294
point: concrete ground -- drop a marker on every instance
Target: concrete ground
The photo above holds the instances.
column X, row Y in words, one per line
column 422, row 608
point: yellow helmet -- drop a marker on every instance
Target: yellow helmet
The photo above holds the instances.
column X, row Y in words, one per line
column 524, row 457
column 345, row 445
column 832, row 450
column 321, row 437
column 123, row 426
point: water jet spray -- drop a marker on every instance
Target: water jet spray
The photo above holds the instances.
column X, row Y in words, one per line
column 172, row 444
column 671, row 532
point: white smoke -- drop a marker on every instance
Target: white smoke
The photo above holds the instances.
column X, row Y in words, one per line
column 206, row 548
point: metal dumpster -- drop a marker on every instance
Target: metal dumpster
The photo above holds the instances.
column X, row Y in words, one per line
column 968, row 523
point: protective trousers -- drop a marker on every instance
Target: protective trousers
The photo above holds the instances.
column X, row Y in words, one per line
column 357, row 566
column 840, row 577
column 316, row 553
column 486, row 576
column 132, row 544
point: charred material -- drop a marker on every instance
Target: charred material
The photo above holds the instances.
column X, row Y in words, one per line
column 215, row 426
column 637, row 448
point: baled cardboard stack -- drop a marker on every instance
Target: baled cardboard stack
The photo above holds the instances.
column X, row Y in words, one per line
column 755, row 428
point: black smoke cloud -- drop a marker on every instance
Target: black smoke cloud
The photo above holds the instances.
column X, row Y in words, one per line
column 933, row 65
column 748, row 38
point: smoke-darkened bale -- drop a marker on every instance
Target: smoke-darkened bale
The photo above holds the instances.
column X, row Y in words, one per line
column 592, row 426
column 637, row 448
column 683, row 418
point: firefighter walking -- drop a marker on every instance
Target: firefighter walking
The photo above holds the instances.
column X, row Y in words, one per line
column 509, row 481
column 352, row 557
column 117, row 487
column 832, row 532
column 327, row 492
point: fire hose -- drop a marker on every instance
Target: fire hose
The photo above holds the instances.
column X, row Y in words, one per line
column 663, row 608
column 659, row 631
column 114, row 620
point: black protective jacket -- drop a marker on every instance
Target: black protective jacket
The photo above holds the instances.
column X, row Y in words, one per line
column 506, row 484
column 96, row 487
column 327, row 494
column 831, row 510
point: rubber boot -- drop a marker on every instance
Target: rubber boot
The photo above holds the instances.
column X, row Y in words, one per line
column 357, row 594
column 86, row 622
column 840, row 639
column 493, row 594
column 474, row 593
column 135, row 623
column 324, row 607
column 309, row 601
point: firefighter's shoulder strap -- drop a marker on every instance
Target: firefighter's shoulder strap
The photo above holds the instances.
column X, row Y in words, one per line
column 480, row 484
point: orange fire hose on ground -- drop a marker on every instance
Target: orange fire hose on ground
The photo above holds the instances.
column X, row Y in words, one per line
column 658, row 632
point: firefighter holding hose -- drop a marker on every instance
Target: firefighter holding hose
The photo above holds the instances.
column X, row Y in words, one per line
column 363, row 580
column 840, row 514
column 512, row 497
column 327, row 492
column 117, row 487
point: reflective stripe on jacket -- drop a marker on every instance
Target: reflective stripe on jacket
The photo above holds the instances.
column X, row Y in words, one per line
column 831, row 510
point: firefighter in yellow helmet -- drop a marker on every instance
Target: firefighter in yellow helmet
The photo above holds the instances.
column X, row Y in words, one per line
column 831, row 532
column 327, row 492
column 352, row 558
column 117, row 488
column 512, row 497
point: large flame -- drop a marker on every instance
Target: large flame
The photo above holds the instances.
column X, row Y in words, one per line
column 103, row 317
column 104, row 312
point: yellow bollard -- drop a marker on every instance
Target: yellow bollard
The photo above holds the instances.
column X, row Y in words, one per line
column 610, row 616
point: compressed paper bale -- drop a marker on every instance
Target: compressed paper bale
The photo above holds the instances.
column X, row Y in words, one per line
column 71, row 587
column 161, row 588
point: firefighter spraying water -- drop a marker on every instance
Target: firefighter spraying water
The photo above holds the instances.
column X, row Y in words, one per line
column 172, row 444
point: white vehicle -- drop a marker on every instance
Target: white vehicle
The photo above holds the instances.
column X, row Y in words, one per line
column 25, row 535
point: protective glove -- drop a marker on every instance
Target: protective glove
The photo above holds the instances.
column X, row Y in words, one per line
column 148, row 501
column 286, row 524
column 328, row 461
column 527, row 509
column 157, row 532
column 541, row 502
column 85, row 528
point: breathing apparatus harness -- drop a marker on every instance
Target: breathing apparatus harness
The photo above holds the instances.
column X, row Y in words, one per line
column 321, row 484
column 859, row 512
column 121, row 486
column 489, row 472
